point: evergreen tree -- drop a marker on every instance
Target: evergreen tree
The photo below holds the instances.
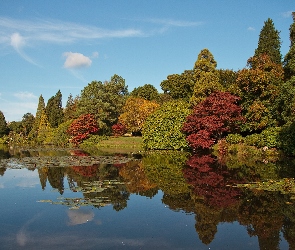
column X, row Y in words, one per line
column 71, row 107
column 27, row 123
column 3, row 125
column 289, row 60
column 269, row 42
column 207, row 77
column 54, row 110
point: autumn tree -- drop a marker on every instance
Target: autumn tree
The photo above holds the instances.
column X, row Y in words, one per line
column 259, row 85
column 147, row 92
column 269, row 42
column 207, row 77
column 54, row 110
column 3, row 125
column 44, row 128
column 179, row 86
column 135, row 112
column 289, row 60
column 81, row 128
column 162, row 129
column 211, row 119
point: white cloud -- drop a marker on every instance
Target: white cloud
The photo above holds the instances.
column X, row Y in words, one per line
column 287, row 14
column 251, row 29
column 76, row 60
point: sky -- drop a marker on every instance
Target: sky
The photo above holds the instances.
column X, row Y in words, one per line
column 46, row 46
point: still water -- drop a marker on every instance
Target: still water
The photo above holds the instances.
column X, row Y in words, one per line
column 66, row 200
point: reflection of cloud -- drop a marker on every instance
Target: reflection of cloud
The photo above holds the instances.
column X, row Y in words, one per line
column 76, row 60
column 23, row 236
column 1, row 185
column 77, row 217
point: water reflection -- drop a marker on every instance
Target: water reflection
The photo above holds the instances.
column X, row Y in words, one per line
column 200, row 185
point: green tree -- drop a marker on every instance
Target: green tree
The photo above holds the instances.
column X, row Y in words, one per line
column 162, row 129
column 44, row 130
column 103, row 100
column 269, row 42
column 179, row 86
column 3, row 125
column 147, row 92
column 27, row 123
column 207, row 77
column 54, row 110
column 289, row 60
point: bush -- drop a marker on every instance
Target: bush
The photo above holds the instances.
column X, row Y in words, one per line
column 119, row 129
column 162, row 129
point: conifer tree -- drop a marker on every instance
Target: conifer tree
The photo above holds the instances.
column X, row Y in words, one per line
column 269, row 42
column 207, row 77
column 54, row 110
column 41, row 106
column 289, row 60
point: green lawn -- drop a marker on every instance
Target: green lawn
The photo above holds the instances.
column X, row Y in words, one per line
column 121, row 144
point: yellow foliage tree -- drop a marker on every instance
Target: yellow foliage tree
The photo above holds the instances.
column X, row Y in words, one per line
column 135, row 112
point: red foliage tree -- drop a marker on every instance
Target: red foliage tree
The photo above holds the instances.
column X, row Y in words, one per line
column 217, row 114
column 119, row 129
column 81, row 128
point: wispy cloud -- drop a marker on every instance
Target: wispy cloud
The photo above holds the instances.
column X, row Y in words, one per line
column 251, row 28
column 58, row 31
column 25, row 95
column 176, row 23
column 287, row 14
column 18, row 42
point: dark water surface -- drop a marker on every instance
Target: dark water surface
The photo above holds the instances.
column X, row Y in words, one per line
column 66, row 200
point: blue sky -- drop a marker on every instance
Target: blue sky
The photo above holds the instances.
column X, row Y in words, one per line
column 46, row 46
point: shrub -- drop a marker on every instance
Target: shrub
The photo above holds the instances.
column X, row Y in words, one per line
column 234, row 139
column 119, row 129
column 162, row 129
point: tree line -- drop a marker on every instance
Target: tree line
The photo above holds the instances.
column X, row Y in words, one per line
column 198, row 108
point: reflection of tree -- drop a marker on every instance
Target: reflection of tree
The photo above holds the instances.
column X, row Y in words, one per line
column 289, row 225
column 165, row 170
column 136, row 180
column 2, row 171
column 211, row 181
column 100, row 185
column 262, row 213
column 43, row 176
column 56, row 177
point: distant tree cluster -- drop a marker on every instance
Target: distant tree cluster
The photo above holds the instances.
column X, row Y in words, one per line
column 197, row 108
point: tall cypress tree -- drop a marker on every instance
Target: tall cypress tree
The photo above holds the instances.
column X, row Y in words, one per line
column 54, row 110
column 269, row 42
column 289, row 60
column 41, row 106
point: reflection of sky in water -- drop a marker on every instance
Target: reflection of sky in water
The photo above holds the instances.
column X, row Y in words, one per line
column 144, row 224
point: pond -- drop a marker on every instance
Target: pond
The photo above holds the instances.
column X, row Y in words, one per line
column 65, row 199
